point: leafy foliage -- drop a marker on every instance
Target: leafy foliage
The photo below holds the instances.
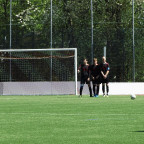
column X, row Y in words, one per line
column 72, row 28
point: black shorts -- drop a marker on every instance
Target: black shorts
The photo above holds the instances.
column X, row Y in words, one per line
column 96, row 81
column 104, row 80
column 84, row 80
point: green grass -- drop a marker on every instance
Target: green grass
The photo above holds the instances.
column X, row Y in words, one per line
column 71, row 120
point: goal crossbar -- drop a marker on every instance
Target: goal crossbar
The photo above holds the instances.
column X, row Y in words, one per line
column 32, row 50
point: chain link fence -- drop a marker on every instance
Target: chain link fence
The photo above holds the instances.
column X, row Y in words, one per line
column 71, row 27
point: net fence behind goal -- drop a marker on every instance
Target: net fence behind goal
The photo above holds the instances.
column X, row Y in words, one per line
column 39, row 71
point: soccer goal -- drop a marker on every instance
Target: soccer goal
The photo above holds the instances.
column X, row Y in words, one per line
column 38, row 71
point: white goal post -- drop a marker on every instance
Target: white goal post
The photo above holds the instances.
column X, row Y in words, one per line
column 51, row 51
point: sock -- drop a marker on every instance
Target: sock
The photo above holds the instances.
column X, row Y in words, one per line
column 94, row 89
column 107, row 87
column 103, row 89
column 81, row 89
column 97, row 90
column 90, row 91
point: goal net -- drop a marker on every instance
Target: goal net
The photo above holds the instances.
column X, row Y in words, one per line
column 38, row 71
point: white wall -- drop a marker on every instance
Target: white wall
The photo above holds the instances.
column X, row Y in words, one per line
column 37, row 88
column 121, row 88
column 59, row 88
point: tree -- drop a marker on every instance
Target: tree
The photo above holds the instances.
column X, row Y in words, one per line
column 72, row 28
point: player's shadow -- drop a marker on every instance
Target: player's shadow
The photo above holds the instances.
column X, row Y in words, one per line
column 139, row 131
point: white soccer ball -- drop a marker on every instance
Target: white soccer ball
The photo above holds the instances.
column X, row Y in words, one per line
column 133, row 96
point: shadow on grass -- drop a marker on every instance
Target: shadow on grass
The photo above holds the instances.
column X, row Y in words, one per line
column 139, row 131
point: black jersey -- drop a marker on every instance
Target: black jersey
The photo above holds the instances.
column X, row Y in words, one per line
column 95, row 70
column 104, row 67
column 84, row 70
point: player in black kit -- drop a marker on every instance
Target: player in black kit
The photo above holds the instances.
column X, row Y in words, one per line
column 95, row 76
column 85, row 77
column 105, row 75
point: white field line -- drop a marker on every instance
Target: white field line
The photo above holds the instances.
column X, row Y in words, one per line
column 55, row 114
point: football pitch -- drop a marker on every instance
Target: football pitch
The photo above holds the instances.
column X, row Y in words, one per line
column 71, row 120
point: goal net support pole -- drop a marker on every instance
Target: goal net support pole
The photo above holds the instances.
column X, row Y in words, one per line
column 104, row 51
